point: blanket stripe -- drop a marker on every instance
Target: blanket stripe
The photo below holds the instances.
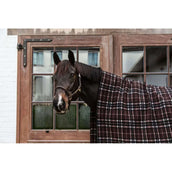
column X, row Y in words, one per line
column 131, row 112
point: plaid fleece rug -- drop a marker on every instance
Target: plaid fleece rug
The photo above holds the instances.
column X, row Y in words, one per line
column 131, row 112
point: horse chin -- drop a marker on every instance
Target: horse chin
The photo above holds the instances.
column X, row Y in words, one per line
column 57, row 111
column 62, row 112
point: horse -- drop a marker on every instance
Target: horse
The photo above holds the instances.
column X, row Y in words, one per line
column 122, row 111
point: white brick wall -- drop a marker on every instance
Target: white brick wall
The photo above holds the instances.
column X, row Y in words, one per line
column 8, row 87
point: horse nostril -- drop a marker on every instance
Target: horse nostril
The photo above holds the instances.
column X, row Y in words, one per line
column 62, row 106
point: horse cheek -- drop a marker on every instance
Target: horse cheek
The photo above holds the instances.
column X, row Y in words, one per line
column 65, row 98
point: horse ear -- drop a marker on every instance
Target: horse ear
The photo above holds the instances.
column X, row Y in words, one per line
column 56, row 58
column 71, row 57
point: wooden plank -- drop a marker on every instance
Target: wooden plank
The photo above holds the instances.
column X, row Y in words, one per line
column 89, row 31
column 117, row 56
column 132, row 39
column 58, row 141
column 107, row 54
column 60, row 135
column 19, row 55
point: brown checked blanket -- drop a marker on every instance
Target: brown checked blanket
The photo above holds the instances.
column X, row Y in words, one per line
column 131, row 112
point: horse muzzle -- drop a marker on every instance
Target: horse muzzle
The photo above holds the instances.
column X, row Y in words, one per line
column 60, row 105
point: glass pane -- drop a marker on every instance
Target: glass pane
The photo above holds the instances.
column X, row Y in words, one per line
column 67, row 120
column 90, row 56
column 42, row 61
column 132, row 59
column 42, row 88
column 159, row 80
column 84, row 116
column 42, row 117
column 134, row 77
column 156, row 59
column 63, row 53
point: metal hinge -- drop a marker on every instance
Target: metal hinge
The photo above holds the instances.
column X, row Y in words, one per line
column 19, row 47
column 24, row 47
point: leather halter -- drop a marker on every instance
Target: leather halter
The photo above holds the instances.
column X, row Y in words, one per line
column 68, row 92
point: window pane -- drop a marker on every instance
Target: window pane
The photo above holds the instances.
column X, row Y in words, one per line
column 42, row 61
column 159, row 80
column 42, row 117
column 42, row 88
column 156, row 59
column 134, row 77
column 38, row 59
column 90, row 56
column 84, row 116
column 132, row 59
column 67, row 120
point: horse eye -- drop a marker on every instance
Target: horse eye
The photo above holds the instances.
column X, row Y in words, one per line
column 72, row 74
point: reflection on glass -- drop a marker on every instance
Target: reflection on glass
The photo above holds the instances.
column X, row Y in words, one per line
column 134, row 77
column 42, row 61
column 156, row 59
column 38, row 58
column 84, row 116
column 42, row 117
column 42, row 88
column 67, row 120
column 132, row 59
column 90, row 56
column 158, row 80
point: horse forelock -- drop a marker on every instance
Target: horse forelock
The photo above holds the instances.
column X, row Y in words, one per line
column 62, row 67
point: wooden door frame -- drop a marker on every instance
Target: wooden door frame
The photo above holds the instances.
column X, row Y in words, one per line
column 24, row 132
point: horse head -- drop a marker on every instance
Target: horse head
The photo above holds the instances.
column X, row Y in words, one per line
column 67, row 82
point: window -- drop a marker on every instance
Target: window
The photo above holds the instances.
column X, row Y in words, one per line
column 36, row 120
column 43, row 115
column 146, row 64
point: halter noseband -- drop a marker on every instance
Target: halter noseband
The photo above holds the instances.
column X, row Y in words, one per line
column 68, row 92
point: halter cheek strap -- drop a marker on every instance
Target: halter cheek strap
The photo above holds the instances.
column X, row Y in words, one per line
column 68, row 92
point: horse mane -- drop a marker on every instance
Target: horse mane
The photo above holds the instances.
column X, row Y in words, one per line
column 89, row 72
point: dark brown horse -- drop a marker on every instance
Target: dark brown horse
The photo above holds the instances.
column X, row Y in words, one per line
column 73, row 80
column 125, row 110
